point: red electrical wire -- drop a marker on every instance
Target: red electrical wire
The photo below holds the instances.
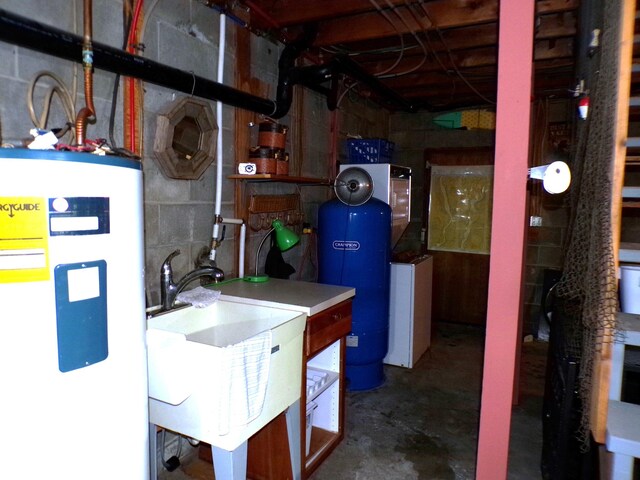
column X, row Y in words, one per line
column 134, row 26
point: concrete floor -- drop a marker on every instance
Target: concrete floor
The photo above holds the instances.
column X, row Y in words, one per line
column 422, row 423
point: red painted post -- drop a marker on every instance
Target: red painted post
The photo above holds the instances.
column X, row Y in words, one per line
column 515, row 62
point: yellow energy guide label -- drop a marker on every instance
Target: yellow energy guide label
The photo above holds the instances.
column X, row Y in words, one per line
column 24, row 255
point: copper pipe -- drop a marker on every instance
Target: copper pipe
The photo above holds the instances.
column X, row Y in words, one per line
column 86, row 114
column 87, row 8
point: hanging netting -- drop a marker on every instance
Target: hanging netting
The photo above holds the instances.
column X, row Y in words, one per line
column 588, row 288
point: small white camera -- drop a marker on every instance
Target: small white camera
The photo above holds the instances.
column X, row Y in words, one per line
column 246, row 168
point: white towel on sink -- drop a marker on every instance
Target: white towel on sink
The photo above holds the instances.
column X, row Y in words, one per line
column 245, row 375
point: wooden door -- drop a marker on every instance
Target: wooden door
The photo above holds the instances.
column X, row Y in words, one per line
column 460, row 280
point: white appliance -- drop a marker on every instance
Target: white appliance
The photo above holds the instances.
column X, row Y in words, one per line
column 72, row 346
column 392, row 185
column 410, row 311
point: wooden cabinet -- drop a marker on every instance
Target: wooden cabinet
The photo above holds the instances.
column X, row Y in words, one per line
column 323, row 355
column 324, row 351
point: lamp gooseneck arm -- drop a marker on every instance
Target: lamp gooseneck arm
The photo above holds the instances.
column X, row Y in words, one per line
column 260, row 247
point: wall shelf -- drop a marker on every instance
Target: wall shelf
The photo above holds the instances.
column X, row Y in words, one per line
column 268, row 177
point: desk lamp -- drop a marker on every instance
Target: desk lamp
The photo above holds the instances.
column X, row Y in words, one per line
column 285, row 239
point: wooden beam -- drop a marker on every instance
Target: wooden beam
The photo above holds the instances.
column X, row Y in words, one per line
column 456, row 92
column 373, row 25
column 440, row 13
column 545, row 50
column 507, row 236
column 291, row 12
column 242, row 79
column 602, row 363
column 472, row 37
column 546, row 72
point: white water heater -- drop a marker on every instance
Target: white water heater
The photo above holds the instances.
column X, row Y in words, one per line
column 72, row 340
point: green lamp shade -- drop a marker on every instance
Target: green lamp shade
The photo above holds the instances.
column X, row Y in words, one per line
column 285, row 238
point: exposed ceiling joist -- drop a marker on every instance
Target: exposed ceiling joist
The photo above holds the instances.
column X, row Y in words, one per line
column 444, row 50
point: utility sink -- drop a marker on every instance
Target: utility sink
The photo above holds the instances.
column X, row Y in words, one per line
column 189, row 368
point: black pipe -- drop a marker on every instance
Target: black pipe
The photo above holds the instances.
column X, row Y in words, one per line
column 288, row 73
column 350, row 68
column 313, row 76
column 27, row 33
column 52, row 41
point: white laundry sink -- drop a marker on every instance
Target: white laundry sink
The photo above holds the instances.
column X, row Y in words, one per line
column 193, row 358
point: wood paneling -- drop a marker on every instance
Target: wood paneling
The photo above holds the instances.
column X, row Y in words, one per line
column 460, row 287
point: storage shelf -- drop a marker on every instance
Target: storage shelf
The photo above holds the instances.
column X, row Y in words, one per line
column 332, row 377
column 629, row 323
column 321, row 440
column 630, row 192
column 629, row 252
column 623, row 428
column 268, row 177
column 633, row 142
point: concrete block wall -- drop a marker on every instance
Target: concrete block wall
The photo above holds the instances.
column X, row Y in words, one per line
column 413, row 133
column 20, row 65
column 184, row 35
column 179, row 213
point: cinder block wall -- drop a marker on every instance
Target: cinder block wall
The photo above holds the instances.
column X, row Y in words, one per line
column 179, row 213
column 413, row 133
column 184, row 35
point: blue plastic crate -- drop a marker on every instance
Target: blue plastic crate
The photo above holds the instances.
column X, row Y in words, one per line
column 370, row 150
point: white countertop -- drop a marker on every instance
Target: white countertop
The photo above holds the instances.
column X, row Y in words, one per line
column 307, row 297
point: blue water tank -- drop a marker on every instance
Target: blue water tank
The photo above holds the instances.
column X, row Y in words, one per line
column 354, row 250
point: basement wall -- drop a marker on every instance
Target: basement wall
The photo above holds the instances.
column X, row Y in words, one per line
column 179, row 213
column 413, row 133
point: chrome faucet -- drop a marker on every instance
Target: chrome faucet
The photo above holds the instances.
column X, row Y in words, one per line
column 169, row 290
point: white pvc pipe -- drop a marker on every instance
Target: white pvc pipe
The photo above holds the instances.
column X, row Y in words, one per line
column 243, row 235
column 219, row 146
column 220, row 78
column 219, row 157
column 232, row 221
